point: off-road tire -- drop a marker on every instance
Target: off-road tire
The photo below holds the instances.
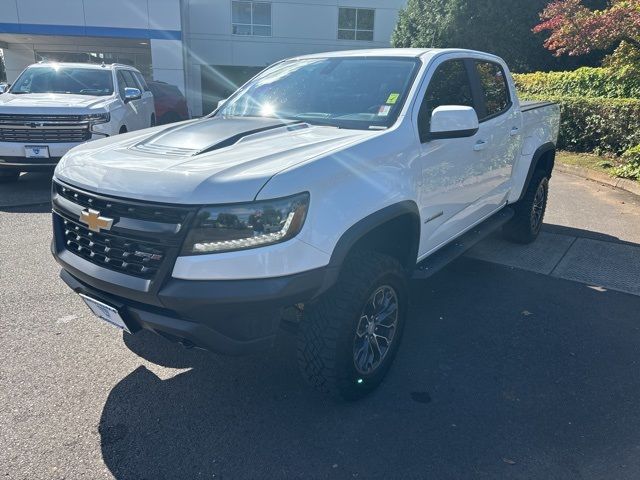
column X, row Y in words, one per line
column 521, row 228
column 327, row 331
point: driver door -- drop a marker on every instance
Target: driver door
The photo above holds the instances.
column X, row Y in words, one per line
column 134, row 110
column 447, row 185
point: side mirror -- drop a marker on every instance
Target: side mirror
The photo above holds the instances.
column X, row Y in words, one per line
column 4, row 87
column 131, row 94
column 222, row 102
column 453, row 121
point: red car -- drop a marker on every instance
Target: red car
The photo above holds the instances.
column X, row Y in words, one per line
column 171, row 106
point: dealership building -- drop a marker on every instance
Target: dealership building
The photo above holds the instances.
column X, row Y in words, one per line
column 205, row 47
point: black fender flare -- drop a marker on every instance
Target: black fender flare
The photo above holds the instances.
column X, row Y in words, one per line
column 533, row 166
column 366, row 225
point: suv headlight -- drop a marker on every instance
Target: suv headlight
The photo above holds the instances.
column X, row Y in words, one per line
column 223, row 228
column 97, row 117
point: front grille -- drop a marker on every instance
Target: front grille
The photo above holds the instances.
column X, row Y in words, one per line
column 136, row 258
column 114, row 208
column 19, row 118
column 144, row 237
column 44, row 135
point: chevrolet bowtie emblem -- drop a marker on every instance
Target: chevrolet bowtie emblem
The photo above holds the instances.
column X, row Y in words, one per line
column 93, row 220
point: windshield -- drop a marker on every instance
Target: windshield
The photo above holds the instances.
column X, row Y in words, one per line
column 53, row 79
column 348, row 92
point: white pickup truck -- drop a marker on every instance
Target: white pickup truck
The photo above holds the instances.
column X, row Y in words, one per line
column 307, row 200
column 52, row 107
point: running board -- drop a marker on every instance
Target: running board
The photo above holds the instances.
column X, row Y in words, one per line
column 440, row 259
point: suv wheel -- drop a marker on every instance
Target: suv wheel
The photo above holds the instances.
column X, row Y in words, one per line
column 348, row 338
column 525, row 226
column 9, row 176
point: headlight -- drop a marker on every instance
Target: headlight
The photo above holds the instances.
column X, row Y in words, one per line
column 97, row 117
column 247, row 225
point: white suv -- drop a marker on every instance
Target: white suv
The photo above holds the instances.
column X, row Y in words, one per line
column 52, row 107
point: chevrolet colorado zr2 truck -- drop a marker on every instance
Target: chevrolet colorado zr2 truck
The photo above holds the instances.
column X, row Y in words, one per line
column 307, row 200
column 52, row 107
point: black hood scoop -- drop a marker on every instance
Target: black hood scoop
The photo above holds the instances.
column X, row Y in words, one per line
column 206, row 135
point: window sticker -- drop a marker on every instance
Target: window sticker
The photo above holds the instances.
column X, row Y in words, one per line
column 393, row 98
column 384, row 110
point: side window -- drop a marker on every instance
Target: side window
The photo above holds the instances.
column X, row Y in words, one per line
column 141, row 81
column 122, row 84
column 494, row 86
column 130, row 79
column 449, row 85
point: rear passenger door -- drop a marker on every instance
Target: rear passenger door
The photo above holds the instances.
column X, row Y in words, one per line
column 499, row 133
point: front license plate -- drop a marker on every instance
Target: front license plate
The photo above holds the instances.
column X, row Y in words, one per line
column 36, row 151
column 105, row 312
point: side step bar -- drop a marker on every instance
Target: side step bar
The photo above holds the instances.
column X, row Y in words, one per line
column 438, row 260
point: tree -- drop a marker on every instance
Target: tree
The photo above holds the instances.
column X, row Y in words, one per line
column 578, row 30
column 503, row 27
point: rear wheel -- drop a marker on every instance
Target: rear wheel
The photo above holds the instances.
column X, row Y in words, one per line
column 123, row 129
column 348, row 338
column 9, row 176
column 525, row 226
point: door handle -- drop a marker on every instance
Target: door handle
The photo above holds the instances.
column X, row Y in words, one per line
column 514, row 131
column 480, row 145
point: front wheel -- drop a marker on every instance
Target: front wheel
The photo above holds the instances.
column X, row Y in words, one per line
column 349, row 337
column 525, row 225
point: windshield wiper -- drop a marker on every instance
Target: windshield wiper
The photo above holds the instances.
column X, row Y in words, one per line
column 315, row 118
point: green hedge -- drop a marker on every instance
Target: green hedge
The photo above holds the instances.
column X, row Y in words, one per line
column 631, row 167
column 583, row 82
column 600, row 125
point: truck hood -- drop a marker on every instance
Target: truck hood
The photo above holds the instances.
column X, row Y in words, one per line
column 207, row 161
column 51, row 103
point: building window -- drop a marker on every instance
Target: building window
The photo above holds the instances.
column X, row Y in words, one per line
column 355, row 24
column 251, row 18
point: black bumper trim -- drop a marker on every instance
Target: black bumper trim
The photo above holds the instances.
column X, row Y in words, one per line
column 232, row 317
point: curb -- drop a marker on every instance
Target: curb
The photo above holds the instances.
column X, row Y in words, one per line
column 625, row 184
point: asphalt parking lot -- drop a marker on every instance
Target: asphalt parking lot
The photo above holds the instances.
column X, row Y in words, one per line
column 515, row 364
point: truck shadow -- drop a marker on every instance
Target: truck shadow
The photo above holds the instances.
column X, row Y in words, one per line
column 30, row 194
column 503, row 373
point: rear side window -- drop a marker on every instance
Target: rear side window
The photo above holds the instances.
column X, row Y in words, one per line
column 449, row 85
column 494, row 86
column 143, row 83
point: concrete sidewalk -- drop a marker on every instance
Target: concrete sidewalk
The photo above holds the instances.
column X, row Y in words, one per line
column 591, row 235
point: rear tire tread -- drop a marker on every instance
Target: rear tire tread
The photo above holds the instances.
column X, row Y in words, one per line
column 518, row 230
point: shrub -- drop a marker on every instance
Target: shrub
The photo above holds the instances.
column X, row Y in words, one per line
column 600, row 125
column 613, row 82
column 631, row 168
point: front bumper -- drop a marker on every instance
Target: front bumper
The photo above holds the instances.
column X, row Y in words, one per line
column 12, row 155
column 232, row 317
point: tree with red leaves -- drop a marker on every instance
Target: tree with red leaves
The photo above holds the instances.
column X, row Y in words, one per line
column 578, row 30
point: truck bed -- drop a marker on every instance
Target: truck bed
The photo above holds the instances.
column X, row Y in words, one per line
column 533, row 104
